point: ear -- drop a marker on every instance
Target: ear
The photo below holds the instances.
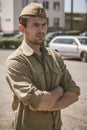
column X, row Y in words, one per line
column 21, row 28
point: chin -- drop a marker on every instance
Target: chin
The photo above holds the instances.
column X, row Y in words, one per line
column 39, row 42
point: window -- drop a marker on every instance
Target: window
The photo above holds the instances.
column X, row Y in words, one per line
column 56, row 6
column 65, row 41
column 56, row 22
column 46, row 4
column 70, row 41
column 83, row 41
column 47, row 21
column 62, row 41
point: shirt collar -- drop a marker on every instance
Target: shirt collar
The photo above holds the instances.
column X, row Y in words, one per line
column 27, row 50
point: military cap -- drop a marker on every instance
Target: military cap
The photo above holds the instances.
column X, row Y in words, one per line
column 33, row 9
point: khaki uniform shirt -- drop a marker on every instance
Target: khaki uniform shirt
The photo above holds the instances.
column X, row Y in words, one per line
column 29, row 75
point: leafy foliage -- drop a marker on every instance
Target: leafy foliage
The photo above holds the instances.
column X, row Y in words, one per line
column 10, row 43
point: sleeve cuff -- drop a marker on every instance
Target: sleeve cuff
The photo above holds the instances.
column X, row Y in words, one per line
column 36, row 98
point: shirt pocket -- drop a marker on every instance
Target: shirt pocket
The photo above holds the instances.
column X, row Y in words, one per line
column 55, row 73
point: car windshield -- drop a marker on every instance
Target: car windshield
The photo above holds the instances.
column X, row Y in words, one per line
column 53, row 34
column 49, row 35
column 83, row 41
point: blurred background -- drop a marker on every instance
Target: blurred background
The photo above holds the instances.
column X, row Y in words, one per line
column 61, row 14
column 65, row 18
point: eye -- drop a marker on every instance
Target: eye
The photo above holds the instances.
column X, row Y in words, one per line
column 36, row 24
column 44, row 24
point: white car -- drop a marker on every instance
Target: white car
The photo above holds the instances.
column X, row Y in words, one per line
column 70, row 46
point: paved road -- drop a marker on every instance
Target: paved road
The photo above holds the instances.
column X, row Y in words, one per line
column 74, row 117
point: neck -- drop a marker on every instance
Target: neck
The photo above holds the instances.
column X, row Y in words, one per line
column 36, row 48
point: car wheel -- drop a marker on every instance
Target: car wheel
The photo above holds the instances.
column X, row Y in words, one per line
column 84, row 57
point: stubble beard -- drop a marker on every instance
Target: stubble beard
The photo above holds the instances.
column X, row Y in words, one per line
column 36, row 42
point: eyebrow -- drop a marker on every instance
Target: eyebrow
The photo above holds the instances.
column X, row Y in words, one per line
column 39, row 23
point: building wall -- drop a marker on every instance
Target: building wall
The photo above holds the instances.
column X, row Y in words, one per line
column 7, row 16
column 12, row 8
column 17, row 10
column 79, row 21
column 51, row 13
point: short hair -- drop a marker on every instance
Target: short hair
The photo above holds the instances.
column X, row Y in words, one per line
column 23, row 20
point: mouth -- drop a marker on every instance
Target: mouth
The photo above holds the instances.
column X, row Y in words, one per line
column 41, row 36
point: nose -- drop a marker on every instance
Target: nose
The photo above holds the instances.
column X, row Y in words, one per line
column 41, row 28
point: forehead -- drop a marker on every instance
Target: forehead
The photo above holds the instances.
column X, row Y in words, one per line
column 37, row 20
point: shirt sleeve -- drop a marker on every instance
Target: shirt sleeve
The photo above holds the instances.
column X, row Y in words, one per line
column 66, row 79
column 21, row 84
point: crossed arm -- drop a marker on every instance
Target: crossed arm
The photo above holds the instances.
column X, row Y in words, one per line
column 57, row 100
column 54, row 100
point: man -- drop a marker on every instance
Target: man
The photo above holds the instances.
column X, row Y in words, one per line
column 38, row 77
